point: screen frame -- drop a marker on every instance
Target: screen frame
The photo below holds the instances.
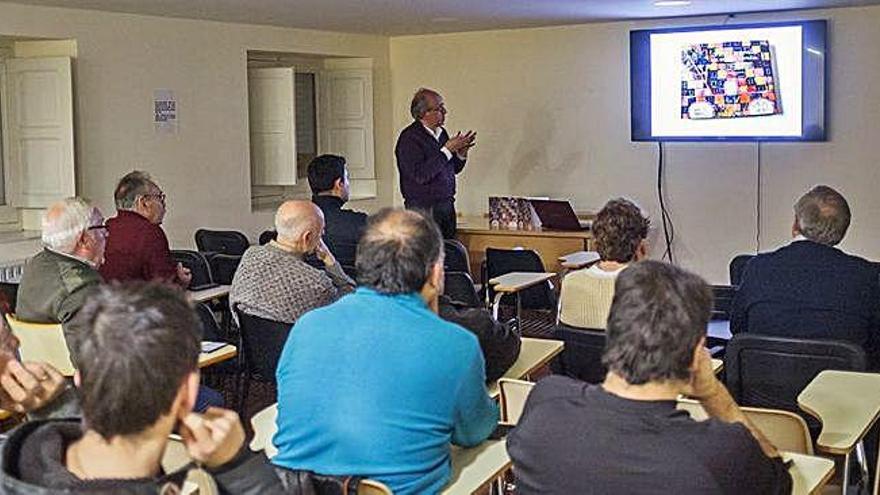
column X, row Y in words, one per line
column 814, row 126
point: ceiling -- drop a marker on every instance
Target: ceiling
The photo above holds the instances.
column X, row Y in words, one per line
column 402, row 17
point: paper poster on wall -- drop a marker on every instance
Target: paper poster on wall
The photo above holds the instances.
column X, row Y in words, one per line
column 165, row 111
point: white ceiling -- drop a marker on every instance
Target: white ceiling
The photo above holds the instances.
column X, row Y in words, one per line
column 402, row 17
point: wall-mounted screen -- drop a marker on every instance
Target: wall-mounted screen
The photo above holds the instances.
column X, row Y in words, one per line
column 737, row 83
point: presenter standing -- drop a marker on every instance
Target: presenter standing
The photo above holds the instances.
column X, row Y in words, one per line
column 428, row 159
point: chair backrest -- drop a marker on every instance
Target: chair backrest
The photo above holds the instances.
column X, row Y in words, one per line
column 222, row 241
column 770, row 372
column 42, row 342
column 513, row 398
column 223, row 267
column 501, row 261
column 456, row 256
column 736, row 267
column 581, row 357
column 265, row 427
column 261, row 343
column 197, row 264
column 785, row 430
column 266, row 236
column 459, row 287
column 210, row 328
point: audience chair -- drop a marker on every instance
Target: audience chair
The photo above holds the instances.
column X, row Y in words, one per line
column 513, row 398
column 581, row 357
column 456, row 256
column 764, row 371
column 786, row 430
column 210, row 328
column 266, row 236
column 723, row 295
column 198, row 266
column 222, row 241
column 42, row 342
column 460, row 287
column 223, row 267
column 501, row 261
column 263, row 424
column 737, row 266
column 261, row 342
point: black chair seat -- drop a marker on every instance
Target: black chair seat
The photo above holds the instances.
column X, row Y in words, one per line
column 501, row 261
column 581, row 357
column 459, row 286
column 222, row 241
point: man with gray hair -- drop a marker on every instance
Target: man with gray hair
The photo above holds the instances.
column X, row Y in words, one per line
column 811, row 289
column 377, row 384
column 428, row 160
column 274, row 282
column 59, row 279
column 138, row 248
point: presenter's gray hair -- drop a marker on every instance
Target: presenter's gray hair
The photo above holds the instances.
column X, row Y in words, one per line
column 822, row 215
column 64, row 222
column 134, row 185
column 420, row 104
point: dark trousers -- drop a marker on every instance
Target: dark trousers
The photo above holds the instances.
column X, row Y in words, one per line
column 443, row 213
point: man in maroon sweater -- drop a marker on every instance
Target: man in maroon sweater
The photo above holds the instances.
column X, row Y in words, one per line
column 137, row 248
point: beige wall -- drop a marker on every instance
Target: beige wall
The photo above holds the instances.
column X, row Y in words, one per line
column 551, row 108
column 204, row 168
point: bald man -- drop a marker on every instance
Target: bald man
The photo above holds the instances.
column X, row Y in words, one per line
column 274, row 282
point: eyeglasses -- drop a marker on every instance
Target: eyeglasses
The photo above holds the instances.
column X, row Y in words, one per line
column 441, row 109
column 159, row 196
column 98, row 227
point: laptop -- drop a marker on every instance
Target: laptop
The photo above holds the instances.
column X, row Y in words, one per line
column 558, row 215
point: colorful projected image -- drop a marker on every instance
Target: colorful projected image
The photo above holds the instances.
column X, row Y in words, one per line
column 728, row 80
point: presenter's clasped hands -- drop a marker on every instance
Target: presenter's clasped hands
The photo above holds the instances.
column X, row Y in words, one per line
column 461, row 143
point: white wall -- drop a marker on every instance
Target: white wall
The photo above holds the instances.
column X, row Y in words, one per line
column 204, row 168
column 551, row 108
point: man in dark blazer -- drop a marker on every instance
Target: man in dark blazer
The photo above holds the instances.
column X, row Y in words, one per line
column 810, row 289
column 428, row 160
column 328, row 179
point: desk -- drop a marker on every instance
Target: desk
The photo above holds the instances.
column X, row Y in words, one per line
column 476, row 467
column 205, row 295
column 224, row 353
column 808, row 473
column 533, row 354
column 719, row 329
column 717, row 365
column 847, row 404
column 579, row 259
column 475, row 234
column 513, row 283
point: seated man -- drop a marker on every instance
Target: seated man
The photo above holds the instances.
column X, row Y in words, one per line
column 625, row 435
column 809, row 289
column 500, row 344
column 328, row 178
column 377, row 384
column 273, row 281
column 137, row 248
column 130, row 409
column 619, row 233
column 58, row 280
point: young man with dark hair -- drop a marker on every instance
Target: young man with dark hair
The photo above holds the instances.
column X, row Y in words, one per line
column 328, row 179
column 376, row 384
column 626, row 435
column 138, row 378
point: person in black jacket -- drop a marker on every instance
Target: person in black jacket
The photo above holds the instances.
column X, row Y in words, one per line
column 810, row 289
column 138, row 379
column 331, row 189
column 499, row 342
column 428, row 160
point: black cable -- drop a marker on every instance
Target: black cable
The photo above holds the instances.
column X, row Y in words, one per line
column 666, row 220
column 758, row 202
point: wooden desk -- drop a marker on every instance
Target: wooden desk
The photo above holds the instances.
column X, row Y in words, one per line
column 224, row 353
column 808, row 473
column 513, row 283
column 533, row 354
column 578, row 260
column 847, row 404
column 475, row 234
column 208, row 294
column 476, row 467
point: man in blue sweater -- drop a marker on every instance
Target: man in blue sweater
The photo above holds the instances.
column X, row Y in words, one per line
column 377, row 384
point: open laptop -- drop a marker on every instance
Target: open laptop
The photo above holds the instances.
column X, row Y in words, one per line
column 558, row 215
